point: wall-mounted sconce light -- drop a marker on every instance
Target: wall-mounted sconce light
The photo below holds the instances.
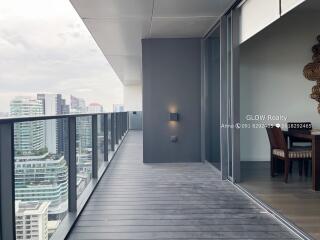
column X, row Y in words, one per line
column 174, row 139
column 174, row 117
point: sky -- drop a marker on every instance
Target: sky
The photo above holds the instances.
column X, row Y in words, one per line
column 46, row 48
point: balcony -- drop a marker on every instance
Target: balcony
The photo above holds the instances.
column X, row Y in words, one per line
column 124, row 198
column 200, row 169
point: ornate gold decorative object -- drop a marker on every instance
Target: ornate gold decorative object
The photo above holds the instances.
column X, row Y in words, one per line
column 312, row 72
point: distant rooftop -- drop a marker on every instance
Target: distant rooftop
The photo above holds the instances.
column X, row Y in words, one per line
column 95, row 104
column 28, row 208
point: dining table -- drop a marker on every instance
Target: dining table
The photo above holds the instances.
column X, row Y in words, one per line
column 314, row 139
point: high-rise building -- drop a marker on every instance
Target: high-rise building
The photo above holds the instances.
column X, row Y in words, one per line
column 84, row 142
column 28, row 136
column 77, row 105
column 95, row 108
column 65, row 109
column 62, row 129
column 54, row 104
column 40, row 175
column 43, row 178
column 84, row 133
column 31, row 220
column 51, row 136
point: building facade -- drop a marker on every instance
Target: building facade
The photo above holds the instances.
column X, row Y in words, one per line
column 31, row 220
column 44, row 179
column 77, row 105
column 54, row 104
column 28, row 136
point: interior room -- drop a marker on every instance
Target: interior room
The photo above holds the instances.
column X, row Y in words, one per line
column 274, row 90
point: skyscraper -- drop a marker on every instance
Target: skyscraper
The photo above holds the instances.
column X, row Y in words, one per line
column 31, row 220
column 84, row 135
column 54, row 104
column 41, row 172
column 42, row 178
column 84, row 143
column 28, row 136
column 77, row 105
column 65, row 109
column 62, row 129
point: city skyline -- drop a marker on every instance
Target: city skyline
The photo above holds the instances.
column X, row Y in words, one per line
column 88, row 107
column 40, row 161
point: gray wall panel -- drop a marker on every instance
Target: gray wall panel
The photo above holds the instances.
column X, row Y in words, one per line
column 171, row 79
column 135, row 120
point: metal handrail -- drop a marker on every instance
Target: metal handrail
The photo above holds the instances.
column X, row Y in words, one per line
column 50, row 117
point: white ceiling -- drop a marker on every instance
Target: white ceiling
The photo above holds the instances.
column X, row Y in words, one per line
column 119, row 25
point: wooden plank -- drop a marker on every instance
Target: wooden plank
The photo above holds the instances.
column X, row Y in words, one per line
column 170, row 201
column 295, row 200
column 182, row 235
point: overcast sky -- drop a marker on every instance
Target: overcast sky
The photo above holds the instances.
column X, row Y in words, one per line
column 45, row 47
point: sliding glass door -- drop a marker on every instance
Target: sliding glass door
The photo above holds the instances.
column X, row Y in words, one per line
column 229, row 131
column 221, row 97
column 212, row 148
column 230, row 81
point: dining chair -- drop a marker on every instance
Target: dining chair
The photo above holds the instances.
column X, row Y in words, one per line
column 280, row 151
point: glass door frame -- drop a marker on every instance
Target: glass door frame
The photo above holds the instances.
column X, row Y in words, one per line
column 229, row 95
column 206, row 95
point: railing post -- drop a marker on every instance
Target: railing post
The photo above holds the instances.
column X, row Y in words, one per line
column 105, row 137
column 127, row 121
column 120, row 130
column 7, row 221
column 117, row 127
column 120, row 120
column 124, row 122
column 72, row 164
column 122, row 125
column 112, row 132
column 94, row 146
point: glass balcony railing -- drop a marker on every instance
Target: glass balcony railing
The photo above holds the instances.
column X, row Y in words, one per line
column 49, row 166
column 102, row 152
column 109, row 136
column 40, row 177
column 84, row 151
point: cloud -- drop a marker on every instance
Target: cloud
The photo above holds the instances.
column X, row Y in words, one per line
column 45, row 47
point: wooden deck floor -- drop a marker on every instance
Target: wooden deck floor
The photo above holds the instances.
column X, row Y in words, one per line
column 170, row 201
column 294, row 200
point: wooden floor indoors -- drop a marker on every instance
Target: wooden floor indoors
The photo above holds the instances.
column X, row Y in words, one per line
column 170, row 201
column 295, row 200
